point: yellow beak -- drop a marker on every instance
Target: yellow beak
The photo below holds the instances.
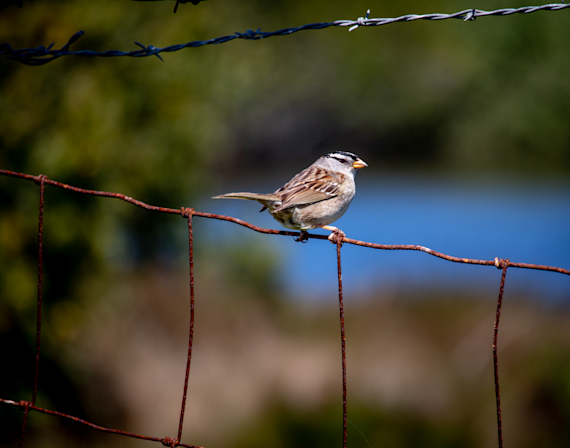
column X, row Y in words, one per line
column 359, row 164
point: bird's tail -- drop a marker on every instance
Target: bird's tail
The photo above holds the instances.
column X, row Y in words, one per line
column 267, row 200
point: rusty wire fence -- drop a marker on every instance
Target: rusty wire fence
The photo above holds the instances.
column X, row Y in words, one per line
column 188, row 214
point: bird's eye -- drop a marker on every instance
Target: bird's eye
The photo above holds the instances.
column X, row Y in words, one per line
column 342, row 160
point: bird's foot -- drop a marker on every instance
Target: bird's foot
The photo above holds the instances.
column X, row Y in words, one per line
column 336, row 235
column 303, row 237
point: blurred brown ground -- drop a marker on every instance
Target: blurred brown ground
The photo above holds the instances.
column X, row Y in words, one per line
column 419, row 372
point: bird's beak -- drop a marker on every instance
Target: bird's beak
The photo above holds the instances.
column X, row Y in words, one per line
column 359, row 164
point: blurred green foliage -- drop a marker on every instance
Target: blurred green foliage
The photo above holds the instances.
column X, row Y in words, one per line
column 483, row 96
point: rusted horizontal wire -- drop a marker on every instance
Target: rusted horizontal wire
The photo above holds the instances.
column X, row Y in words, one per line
column 188, row 213
column 496, row 262
column 282, row 232
column 26, row 404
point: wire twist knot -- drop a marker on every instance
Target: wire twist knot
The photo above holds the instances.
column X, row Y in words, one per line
column 150, row 50
column 186, row 212
column 40, row 179
column 501, row 263
column 170, row 441
column 337, row 238
column 25, row 404
column 249, row 34
column 361, row 21
column 471, row 15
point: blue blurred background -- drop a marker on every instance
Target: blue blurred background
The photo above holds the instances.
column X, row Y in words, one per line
column 465, row 217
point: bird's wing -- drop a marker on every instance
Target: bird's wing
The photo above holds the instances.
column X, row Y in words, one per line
column 309, row 186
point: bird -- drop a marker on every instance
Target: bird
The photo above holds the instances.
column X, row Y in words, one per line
column 315, row 197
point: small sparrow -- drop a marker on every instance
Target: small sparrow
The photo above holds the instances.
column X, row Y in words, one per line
column 316, row 197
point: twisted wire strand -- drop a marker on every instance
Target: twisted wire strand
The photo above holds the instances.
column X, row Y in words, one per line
column 42, row 55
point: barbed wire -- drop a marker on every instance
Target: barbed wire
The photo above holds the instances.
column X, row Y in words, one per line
column 42, row 55
column 189, row 213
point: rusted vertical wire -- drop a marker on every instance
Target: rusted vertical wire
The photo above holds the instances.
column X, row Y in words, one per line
column 188, row 212
column 23, row 431
column 41, row 180
column 343, row 342
column 504, row 264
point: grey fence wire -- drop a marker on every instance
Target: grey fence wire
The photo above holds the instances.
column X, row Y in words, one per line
column 194, row 2
column 188, row 214
column 42, row 55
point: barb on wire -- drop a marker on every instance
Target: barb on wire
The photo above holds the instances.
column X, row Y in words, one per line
column 38, row 53
column 41, row 55
column 194, row 2
column 361, row 21
column 150, row 50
